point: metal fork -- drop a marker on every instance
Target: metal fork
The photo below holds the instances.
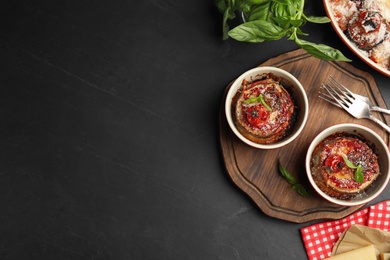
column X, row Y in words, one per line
column 349, row 102
column 329, row 98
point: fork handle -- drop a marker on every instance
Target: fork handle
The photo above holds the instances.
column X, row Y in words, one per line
column 379, row 109
column 379, row 122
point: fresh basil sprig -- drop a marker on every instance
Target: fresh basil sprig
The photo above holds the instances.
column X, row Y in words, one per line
column 359, row 177
column 259, row 98
column 291, row 180
column 270, row 20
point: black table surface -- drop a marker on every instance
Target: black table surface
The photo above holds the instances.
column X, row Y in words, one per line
column 110, row 136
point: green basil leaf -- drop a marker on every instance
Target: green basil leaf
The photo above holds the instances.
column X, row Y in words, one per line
column 359, row 177
column 260, row 12
column 301, row 190
column 250, row 100
column 260, row 99
column 321, row 51
column 284, row 2
column 256, row 2
column 286, row 8
column 228, row 9
column 297, row 22
column 221, row 5
column 287, row 21
column 293, row 9
column 290, row 179
column 257, row 31
column 283, row 22
column 278, row 9
column 299, row 31
column 244, row 7
column 348, row 162
column 225, row 27
column 264, row 104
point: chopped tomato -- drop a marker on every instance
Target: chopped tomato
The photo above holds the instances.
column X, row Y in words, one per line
column 334, row 162
column 257, row 115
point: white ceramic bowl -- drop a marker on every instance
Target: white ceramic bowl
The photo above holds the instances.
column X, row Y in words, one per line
column 294, row 88
column 381, row 150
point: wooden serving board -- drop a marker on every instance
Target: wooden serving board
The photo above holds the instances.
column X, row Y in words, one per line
column 256, row 172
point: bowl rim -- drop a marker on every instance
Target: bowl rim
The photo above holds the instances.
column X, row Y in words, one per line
column 259, row 70
column 339, row 128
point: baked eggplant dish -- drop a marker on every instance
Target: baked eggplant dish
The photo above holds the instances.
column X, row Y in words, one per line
column 343, row 166
column 263, row 110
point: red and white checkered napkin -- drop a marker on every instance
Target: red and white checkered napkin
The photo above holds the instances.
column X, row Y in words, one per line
column 320, row 238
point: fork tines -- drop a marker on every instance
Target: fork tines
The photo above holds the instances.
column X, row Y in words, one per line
column 324, row 94
column 335, row 93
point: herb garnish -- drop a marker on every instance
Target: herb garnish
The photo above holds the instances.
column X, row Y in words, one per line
column 259, row 98
column 359, row 177
column 271, row 20
column 291, row 180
